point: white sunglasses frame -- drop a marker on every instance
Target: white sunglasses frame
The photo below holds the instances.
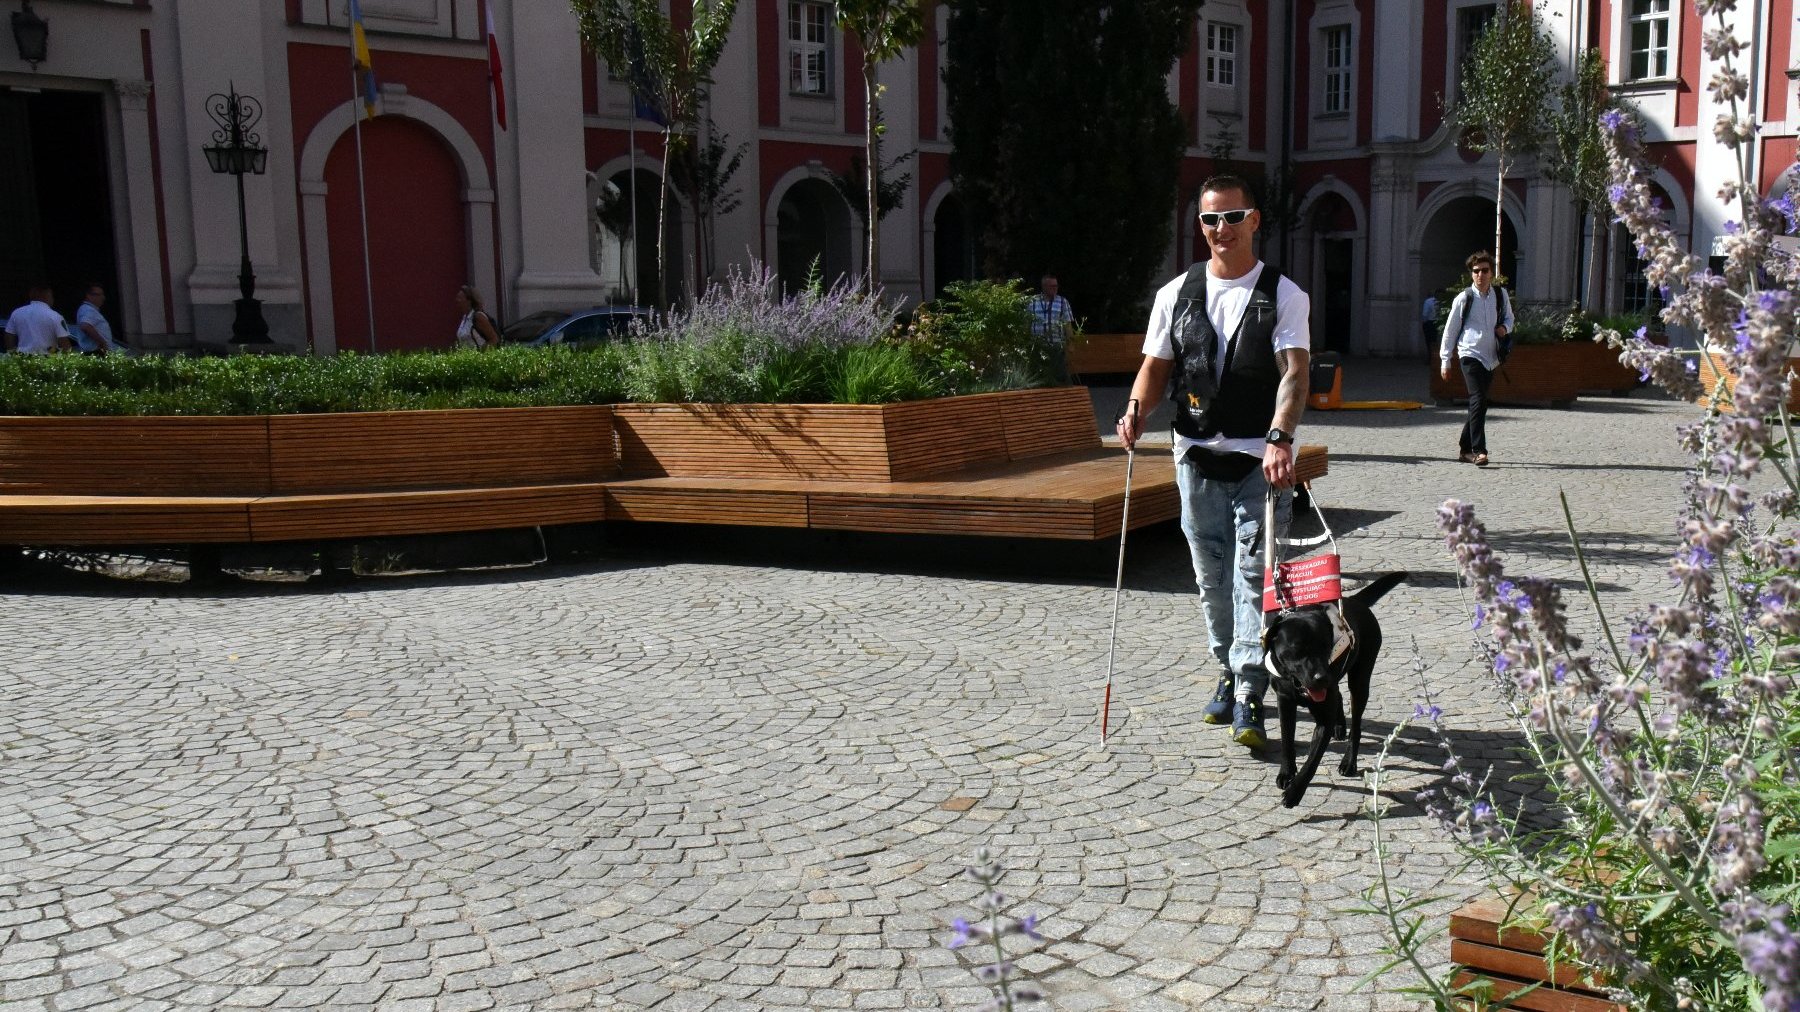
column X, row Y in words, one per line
column 1243, row 212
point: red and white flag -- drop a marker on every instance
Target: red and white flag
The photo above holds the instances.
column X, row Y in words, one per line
column 495, row 74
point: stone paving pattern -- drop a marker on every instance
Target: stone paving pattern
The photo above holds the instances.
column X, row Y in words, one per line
column 746, row 777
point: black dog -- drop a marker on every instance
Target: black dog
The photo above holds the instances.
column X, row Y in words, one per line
column 1299, row 644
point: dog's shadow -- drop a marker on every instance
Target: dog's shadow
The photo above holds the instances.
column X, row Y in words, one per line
column 1499, row 765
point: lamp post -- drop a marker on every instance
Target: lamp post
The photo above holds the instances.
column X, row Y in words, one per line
column 236, row 150
column 32, row 35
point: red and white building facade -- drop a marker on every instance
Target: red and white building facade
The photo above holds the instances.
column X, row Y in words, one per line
column 102, row 176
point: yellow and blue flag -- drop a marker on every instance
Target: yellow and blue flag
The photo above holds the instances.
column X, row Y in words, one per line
column 363, row 65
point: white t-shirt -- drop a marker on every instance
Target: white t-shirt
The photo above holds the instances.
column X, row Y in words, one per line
column 1225, row 302
column 37, row 327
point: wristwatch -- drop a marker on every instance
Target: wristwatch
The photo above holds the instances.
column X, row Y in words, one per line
column 1278, row 436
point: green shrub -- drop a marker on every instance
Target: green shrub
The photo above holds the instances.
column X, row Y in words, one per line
column 977, row 337
column 878, row 374
column 270, row 384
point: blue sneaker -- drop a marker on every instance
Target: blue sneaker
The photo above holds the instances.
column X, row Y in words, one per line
column 1219, row 710
column 1247, row 725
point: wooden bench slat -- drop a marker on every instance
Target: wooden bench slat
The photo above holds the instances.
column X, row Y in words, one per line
column 1543, row 999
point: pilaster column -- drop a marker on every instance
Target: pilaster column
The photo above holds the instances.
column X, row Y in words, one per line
column 1393, row 330
column 140, row 189
column 548, row 152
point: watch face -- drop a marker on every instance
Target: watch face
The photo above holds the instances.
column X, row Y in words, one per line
column 1277, row 436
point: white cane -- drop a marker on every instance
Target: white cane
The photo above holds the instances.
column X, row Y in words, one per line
column 1112, row 646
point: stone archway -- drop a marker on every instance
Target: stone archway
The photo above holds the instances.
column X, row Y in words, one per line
column 813, row 224
column 628, row 267
column 426, row 182
column 1456, row 228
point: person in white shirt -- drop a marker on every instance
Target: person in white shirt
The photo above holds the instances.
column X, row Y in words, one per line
column 35, row 328
column 92, row 333
column 1474, row 332
column 1235, row 337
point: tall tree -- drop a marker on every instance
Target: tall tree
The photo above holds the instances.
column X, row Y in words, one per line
column 668, row 68
column 705, row 168
column 1506, row 82
column 884, row 29
column 1065, row 145
column 1579, row 160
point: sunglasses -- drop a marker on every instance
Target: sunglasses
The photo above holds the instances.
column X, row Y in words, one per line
column 1482, row 270
column 1211, row 219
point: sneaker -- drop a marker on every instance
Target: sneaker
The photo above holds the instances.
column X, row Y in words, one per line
column 1219, row 710
column 1247, row 725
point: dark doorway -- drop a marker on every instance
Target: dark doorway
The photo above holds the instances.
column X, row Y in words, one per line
column 1335, row 256
column 55, row 203
column 954, row 253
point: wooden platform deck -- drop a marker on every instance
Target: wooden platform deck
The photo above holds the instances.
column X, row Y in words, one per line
column 1076, row 495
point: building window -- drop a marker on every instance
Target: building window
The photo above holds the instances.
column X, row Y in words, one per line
column 1636, row 293
column 1337, row 69
column 1649, row 28
column 1221, row 55
column 809, row 47
column 1470, row 23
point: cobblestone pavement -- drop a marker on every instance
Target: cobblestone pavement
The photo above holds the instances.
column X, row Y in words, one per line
column 740, row 774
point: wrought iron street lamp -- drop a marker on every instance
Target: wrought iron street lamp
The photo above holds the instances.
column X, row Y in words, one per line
column 32, row 34
column 236, row 150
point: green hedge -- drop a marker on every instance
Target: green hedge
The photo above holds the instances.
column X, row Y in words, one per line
column 293, row 384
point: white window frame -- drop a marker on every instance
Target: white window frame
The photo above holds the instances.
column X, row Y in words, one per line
column 809, row 32
column 1224, row 44
column 1337, row 47
column 1653, row 22
column 1462, row 41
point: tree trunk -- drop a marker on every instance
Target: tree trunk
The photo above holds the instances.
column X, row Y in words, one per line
column 1500, row 218
column 1596, row 303
column 662, row 224
column 872, row 140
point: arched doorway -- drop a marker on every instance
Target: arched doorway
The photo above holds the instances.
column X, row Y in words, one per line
column 812, row 225
column 627, row 264
column 55, row 200
column 1459, row 228
column 953, row 245
column 418, row 240
column 1333, row 225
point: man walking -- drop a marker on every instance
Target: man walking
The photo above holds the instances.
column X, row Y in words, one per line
column 35, row 328
column 1474, row 332
column 92, row 333
column 1234, row 335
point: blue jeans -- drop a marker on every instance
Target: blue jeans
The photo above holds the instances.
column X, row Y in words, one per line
column 1223, row 522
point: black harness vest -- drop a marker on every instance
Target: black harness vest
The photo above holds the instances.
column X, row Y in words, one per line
column 1241, row 405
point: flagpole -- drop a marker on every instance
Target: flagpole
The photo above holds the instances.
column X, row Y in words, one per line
column 635, row 259
column 362, row 203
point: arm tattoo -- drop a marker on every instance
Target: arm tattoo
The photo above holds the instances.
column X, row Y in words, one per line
column 1290, row 397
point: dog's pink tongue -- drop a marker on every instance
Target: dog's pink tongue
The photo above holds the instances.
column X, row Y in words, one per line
column 1318, row 695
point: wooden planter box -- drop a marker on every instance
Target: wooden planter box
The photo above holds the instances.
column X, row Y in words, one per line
column 1533, row 374
column 298, row 454
column 135, row 479
column 1712, row 367
column 866, row 442
column 1514, row 960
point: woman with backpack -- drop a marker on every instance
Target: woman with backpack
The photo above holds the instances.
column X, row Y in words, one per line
column 476, row 330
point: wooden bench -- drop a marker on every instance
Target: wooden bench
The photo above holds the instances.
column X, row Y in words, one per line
column 1094, row 354
column 1026, row 463
column 1071, row 495
column 1513, row 958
